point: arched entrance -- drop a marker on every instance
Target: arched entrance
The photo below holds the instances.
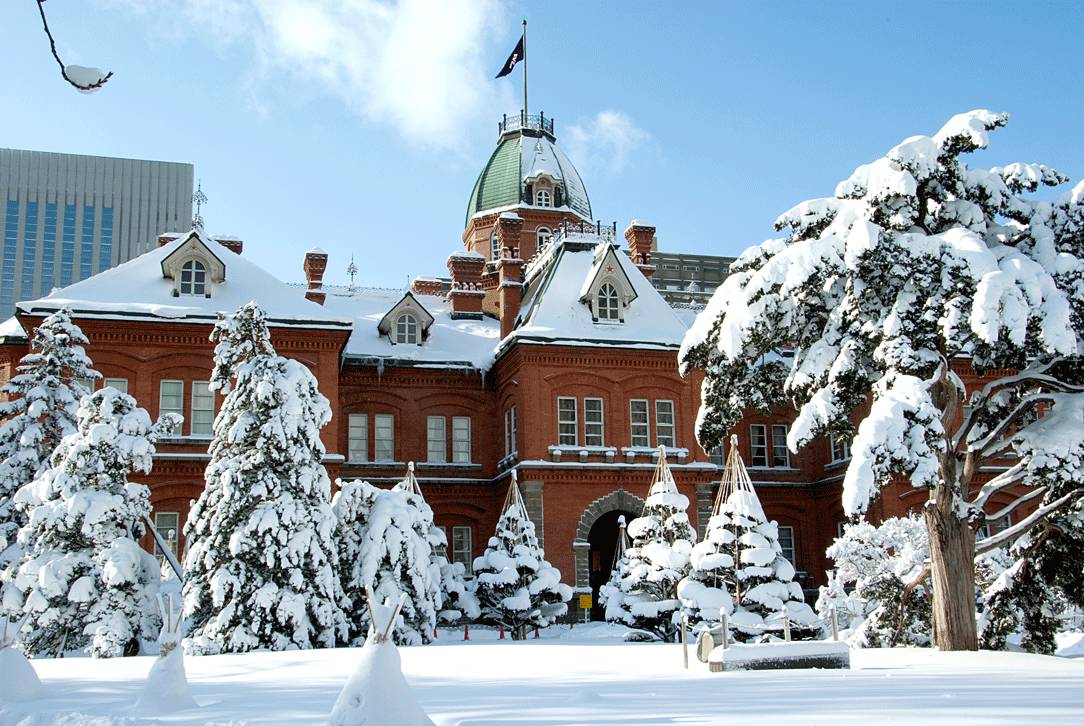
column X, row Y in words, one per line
column 603, row 541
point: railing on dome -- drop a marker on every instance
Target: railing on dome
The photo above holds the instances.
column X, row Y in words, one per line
column 573, row 232
column 531, row 122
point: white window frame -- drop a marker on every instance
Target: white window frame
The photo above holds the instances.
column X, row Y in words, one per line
column 462, row 551
column 119, row 384
column 665, row 433
column 543, row 237
column 840, row 450
column 759, row 453
column 494, row 248
column 205, row 396
column 563, row 437
column 640, row 431
column 384, row 446
column 162, row 409
column 357, row 437
column 87, row 384
column 793, row 548
column 594, row 422
column 163, row 531
column 407, row 330
column 442, row 550
column 510, row 431
column 436, row 440
column 608, row 303
column 193, row 287
column 461, row 439
column 999, row 525
column 543, row 198
column 778, row 447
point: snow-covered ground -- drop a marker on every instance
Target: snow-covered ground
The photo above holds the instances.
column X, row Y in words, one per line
column 583, row 676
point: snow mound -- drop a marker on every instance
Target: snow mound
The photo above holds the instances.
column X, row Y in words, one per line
column 19, row 681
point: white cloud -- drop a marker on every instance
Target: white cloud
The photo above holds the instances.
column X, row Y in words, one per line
column 605, row 142
column 421, row 66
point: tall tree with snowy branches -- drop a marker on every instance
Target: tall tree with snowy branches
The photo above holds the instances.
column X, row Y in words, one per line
column 83, row 580
column 41, row 410
column 916, row 262
column 260, row 568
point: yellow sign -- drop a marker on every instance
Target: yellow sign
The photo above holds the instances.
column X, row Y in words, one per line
column 585, row 602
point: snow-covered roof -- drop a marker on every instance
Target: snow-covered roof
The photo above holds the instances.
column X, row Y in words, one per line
column 552, row 310
column 451, row 342
column 12, row 328
column 137, row 288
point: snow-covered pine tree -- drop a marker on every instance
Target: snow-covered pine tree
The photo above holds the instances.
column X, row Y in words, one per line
column 515, row 585
column 83, row 579
column 384, row 544
column 610, row 596
column 661, row 542
column 260, row 567
column 457, row 599
column 41, row 410
column 916, row 262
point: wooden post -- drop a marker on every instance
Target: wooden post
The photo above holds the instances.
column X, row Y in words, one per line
column 685, row 641
column 786, row 626
column 835, row 624
column 536, row 635
column 466, row 631
column 726, row 630
column 502, row 632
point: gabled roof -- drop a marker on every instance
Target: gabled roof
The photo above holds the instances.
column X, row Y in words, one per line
column 193, row 243
column 137, row 289
column 608, row 264
column 552, row 310
column 406, row 303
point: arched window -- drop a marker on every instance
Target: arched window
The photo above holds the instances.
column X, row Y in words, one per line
column 193, row 278
column 406, row 329
column 494, row 248
column 543, row 237
column 542, row 198
column 609, row 307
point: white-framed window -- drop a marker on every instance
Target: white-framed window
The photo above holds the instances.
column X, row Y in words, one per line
column 120, row 384
column 461, row 439
column 85, row 384
column 510, row 431
column 168, row 525
column 840, row 526
column 780, row 453
column 717, row 455
column 543, row 198
column 639, row 422
column 841, row 450
column 543, row 237
column 461, row 547
column 566, row 421
column 357, row 438
column 786, row 543
column 997, row 526
column 442, row 549
column 607, row 303
column 593, row 424
column 384, row 437
column 193, row 278
column 203, row 408
column 171, row 397
column 494, row 247
column 406, row 329
column 758, row 445
column 436, row 448
column 769, row 453
column 664, row 423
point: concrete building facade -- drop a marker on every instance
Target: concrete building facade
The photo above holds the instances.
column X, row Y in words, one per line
column 66, row 217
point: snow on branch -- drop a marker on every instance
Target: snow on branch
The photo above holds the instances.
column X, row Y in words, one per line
column 86, row 80
column 1010, row 534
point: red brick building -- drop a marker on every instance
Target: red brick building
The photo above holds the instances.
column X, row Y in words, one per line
column 547, row 351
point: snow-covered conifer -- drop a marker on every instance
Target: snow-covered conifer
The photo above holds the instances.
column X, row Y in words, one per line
column 661, row 542
column 41, row 410
column 515, row 585
column 383, row 542
column 83, row 580
column 918, row 260
column 458, row 601
column 610, row 596
column 260, row 567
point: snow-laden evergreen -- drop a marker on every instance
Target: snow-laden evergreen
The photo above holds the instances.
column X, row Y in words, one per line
column 83, row 579
column 610, row 596
column 916, row 262
column 260, row 567
column 457, row 598
column 661, row 543
column 43, row 398
column 515, row 585
column 383, row 542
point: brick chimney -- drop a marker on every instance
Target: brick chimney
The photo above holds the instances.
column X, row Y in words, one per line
column 233, row 244
column 466, row 294
column 427, row 286
column 510, row 276
column 641, row 238
column 509, row 227
column 315, row 264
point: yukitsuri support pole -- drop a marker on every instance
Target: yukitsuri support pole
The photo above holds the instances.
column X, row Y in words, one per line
column 786, row 626
column 726, row 628
column 835, row 624
column 685, row 641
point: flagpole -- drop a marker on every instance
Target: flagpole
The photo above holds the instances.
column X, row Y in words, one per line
column 524, row 70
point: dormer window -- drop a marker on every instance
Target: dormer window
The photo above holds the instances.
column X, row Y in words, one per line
column 543, row 198
column 494, row 248
column 608, row 304
column 193, row 278
column 406, row 329
column 543, row 237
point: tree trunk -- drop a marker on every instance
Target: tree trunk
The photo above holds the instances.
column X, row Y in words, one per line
column 952, row 571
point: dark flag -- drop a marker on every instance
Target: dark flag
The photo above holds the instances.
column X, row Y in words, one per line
column 518, row 54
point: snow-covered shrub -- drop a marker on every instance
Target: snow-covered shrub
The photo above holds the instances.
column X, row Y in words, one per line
column 383, row 542
column 705, row 592
column 83, row 579
column 41, row 410
column 661, row 543
column 515, row 585
column 610, row 596
column 260, row 567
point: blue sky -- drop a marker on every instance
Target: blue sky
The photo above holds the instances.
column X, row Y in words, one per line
column 359, row 126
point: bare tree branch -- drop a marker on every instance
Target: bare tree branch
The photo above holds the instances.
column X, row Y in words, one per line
column 77, row 73
column 1016, row 503
column 1003, row 480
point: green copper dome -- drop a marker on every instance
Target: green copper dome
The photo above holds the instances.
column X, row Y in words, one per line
column 527, row 150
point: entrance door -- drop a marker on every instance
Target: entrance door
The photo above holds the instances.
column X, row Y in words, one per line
column 603, row 541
